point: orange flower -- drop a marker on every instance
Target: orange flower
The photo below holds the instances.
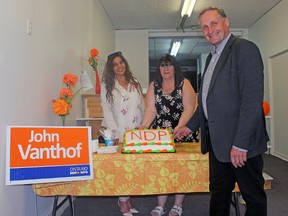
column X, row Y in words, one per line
column 61, row 107
column 66, row 93
column 94, row 52
column 63, row 104
column 93, row 58
column 70, row 79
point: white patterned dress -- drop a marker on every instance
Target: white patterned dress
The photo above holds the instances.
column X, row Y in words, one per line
column 127, row 110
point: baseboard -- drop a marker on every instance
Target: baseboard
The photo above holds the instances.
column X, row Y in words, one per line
column 279, row 155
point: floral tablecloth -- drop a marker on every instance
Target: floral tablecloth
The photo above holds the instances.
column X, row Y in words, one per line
column 139, row 174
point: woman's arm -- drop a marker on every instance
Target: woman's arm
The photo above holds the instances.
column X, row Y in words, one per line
column 108, row 115
column 189, row 102
column 150, row 111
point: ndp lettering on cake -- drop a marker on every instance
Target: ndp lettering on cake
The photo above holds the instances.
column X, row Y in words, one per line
column 54, row 151
column 149, row 135
column 148, row 141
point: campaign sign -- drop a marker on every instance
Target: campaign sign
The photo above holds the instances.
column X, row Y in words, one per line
column 48, row 154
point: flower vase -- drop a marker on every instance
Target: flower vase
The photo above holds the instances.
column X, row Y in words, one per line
column 97, row 84
column 63, row 118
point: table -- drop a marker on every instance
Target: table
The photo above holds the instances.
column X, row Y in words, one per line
column 120, row 174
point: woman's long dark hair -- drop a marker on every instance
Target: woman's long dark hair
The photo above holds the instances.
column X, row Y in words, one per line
column 177, row 75
column 108, row 77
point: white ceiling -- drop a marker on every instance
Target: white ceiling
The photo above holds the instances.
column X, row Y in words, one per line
column 165, row 15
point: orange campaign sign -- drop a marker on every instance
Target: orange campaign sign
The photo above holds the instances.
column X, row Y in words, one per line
column 48, row 154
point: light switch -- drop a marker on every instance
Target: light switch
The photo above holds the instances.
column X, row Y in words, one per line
column 29, row 27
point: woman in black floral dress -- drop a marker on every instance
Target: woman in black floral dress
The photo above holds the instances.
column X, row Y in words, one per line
column 170, row 103
column 169, row 108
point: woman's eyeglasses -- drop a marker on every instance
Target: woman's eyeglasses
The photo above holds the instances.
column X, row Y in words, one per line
column 165, row 65
column 113, row 55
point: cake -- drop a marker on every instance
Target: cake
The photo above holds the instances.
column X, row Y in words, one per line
column 148, row 141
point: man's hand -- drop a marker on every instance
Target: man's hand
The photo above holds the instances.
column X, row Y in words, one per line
column 238, row 157
column 181, row 132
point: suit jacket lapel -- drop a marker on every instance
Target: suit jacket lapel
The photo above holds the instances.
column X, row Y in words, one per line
column 221, row 60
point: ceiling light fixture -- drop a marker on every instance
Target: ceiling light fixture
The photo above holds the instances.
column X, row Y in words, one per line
column 182, row 22
column 185, row 13
column 175, row 47
column 188, row 7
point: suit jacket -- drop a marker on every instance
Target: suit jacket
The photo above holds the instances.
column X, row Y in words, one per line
column 234, row 103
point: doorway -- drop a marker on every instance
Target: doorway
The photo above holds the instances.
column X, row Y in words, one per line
column 191, row 50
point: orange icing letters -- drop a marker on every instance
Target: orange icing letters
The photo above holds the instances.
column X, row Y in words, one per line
column 137, row 135
column 144, row 135
column 149, row 135
column 161, row 133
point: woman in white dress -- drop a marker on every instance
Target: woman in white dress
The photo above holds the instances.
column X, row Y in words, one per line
column 123, row 106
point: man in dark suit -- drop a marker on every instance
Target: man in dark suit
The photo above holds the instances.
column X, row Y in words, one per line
column 230, row 116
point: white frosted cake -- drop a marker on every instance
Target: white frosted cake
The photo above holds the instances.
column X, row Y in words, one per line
column 148, row 141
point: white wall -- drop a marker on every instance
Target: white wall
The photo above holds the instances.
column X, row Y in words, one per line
column 270, row 34
column 134, row 46
column 31, row 67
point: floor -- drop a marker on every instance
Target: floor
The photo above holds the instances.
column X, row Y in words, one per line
column 196, row 204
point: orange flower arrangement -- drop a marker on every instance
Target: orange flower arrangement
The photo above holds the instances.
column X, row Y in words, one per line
column 93, row 58
column 93, row 62
column 63, row 104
